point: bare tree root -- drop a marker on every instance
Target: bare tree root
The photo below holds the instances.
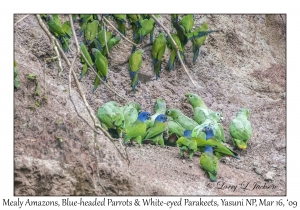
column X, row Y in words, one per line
column 20, row 20
column 177, row 50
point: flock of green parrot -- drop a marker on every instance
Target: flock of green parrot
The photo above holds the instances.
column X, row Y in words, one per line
column 97, row 40
column 204, row 133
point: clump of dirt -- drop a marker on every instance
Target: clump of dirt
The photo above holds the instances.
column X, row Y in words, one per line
column 55, row 152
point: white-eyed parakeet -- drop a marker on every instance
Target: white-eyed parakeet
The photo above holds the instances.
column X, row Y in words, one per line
column 240, row 129
column 158, row 50
column 187, row 144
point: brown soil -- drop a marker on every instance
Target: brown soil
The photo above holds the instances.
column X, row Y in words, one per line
column 242, row 66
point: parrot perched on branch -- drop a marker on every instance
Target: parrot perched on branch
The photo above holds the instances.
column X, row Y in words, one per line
column 240, row 129
column 111, row 43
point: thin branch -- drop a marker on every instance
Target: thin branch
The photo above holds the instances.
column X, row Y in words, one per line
column 177, row 49
column 20, row 20
column 124, row 37
column 97, row 125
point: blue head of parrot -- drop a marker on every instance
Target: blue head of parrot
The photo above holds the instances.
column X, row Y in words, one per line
column 209, row 132
column 143, row 116
column 187, row 133
column 208, row 149
column 161, row 118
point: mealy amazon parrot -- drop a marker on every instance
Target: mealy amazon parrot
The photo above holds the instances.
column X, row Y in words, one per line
column 173, row 54
column 213, row 121
column 112, row 42
column 180, row 33
column 186, row 122
column 84, row 20
column 121, row 21
column 101, row 64
column 147, row 28
column 187, row 144
column 187, row 22
column 100, row 42
column 89, row 59
column 240, row 129
column 91, row 31
column 137, row 130
column 158, row 50
column 135, row 63
column 155, row 133
column 208, row 161
column 201, row 111
column 111, row 117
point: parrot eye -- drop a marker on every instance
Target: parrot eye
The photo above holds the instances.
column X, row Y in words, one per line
column 191, row 96
column 168, row 112
column 218, row 113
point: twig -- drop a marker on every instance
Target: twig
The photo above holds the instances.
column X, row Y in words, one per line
column 20, row 20
column 177, row 49
column 124, row 37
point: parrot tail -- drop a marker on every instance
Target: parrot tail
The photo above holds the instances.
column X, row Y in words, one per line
column 196, row 53
column 212, row 177
column 157, row 69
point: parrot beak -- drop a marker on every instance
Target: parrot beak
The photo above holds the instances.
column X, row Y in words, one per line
column 203, row 130
column 149, row 118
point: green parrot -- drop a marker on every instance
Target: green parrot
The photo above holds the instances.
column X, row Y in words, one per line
column 187, row 22
column 101, row 64
column 208, row 161
column 89, row 59
column 91, row 31
column 198, row 33
column 55, row 26
column 213, row 121
column 240, row 129
column 135, row 63
column 186, row 122
column 220, row 150
column 66, row 40
column 198, row 42
column 175, row 131
column 201, row 111
column 111, row 117
column 84, row 20
column 121, row 21
column 135, row 19
column 187, row 144
column 158, row 50
column 180, row 33
column 130, row 112
column 112, row 42
column 156, row 131
column 160, row 108
column 173, row 52
column 101, row 39
column 147, row 28
column 137, row 130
